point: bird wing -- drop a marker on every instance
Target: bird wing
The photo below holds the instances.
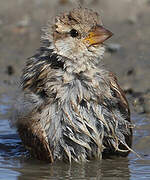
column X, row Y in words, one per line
column 35, row 97
column 118, row 93
column 120, row 109
column 34, row 138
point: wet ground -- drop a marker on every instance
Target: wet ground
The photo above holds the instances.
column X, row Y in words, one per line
column 127, row 55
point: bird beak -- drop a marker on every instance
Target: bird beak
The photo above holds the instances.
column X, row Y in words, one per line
column 97, row 36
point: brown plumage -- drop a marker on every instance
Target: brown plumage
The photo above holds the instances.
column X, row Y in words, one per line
column 71, row 108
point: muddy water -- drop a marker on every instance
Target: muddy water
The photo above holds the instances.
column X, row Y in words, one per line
column 20, row 24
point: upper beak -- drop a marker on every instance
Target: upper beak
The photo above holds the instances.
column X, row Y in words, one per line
column 97, row 36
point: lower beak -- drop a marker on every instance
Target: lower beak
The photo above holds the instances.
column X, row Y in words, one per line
column 97, row 36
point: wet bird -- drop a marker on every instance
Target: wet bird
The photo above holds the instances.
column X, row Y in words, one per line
column 71, row 107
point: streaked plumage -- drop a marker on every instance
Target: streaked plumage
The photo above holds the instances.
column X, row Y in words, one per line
column 71, row 108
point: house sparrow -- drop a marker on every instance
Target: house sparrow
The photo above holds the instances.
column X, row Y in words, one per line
column 72, row 108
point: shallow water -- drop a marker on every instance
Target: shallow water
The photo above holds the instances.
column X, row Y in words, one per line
column 15, row 162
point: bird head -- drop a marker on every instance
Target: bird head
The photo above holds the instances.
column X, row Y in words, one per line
column 79, row 34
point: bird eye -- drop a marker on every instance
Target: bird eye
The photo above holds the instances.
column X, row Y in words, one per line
column 74, row 33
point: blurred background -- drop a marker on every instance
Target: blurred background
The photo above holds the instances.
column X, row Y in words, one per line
column 127, row 55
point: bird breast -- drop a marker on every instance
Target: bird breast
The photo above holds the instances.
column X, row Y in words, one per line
column 76, row 119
